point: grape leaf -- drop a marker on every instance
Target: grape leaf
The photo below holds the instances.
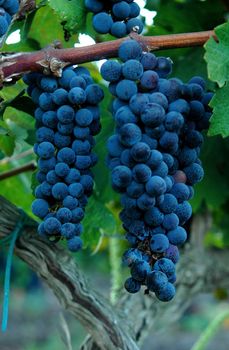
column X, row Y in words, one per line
column 17, row 188
column 50, row 31
column 31, row 137
column 25, row 46
column 217, row 55
column 220, row 116
column 152, row 5
column 7, row 103
column 7, row 140
column 24, row 120
column 3, row 131
column 24, row 104
column 72, row 13
column 103, row 187
column 98, row 219
column 27, row 24
column 188, row 63
column 7, row 144
column 214, row 156
column 180, row 17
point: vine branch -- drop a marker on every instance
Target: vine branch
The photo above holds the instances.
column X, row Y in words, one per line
column 58, row 270
column 14, row 64
column 18, row 156
column 125, row 326
column 16, row 171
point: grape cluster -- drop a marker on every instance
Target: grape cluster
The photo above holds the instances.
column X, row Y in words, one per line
column 8, row 8
column 67, row 117
column 153, row 157
column 117, row 17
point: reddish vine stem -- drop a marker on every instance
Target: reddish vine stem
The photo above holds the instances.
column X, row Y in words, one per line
column 13, row 65
column 16, row 171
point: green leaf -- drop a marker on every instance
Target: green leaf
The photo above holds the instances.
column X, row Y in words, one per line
column 152, row 5
column 17, row 188
column 188, row 63
column 31, row 137
column 34, row 182
column 217, row 55
column 3, row 131
column 24, row 104
column 98, row 219
column 23, row 120
column 220, row 116
column 173, row 17
column 27, row 25
column 7, row 144
column 102, row 174
column 214, row 189
column 51, row 30
column 25, row 46
column 7, row 103
column 101, row 171
column 71, row 13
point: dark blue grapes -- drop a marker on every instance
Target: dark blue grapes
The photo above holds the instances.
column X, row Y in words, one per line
column 8, row 9
column 67, row 118
column 153, row 157
column 115, row 17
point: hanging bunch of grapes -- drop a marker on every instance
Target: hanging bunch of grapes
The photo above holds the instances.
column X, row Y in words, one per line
column 153, row 157
column 67, row 119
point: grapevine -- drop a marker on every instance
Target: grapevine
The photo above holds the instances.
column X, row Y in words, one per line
column 153, row 157
column 107, row 111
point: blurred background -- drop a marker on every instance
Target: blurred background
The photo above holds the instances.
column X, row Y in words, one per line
column 36, row 320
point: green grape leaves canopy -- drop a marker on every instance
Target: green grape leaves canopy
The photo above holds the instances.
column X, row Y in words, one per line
column 217, row 58
column 217, row 55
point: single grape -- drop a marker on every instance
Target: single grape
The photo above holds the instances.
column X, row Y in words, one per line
column 159, row 243
column 111, row 71
column 40, row 208
column 129, row 49
column 132, row 285
column 102, row 22
column 177, row 236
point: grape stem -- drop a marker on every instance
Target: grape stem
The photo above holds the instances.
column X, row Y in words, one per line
column 16, row 171
column 18, row 156
column 13, row 65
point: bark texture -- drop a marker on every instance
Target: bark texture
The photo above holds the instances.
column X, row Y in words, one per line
column 50, row 60
column 126, row 325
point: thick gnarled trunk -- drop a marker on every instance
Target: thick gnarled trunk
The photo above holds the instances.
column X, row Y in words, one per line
column 127, row 324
